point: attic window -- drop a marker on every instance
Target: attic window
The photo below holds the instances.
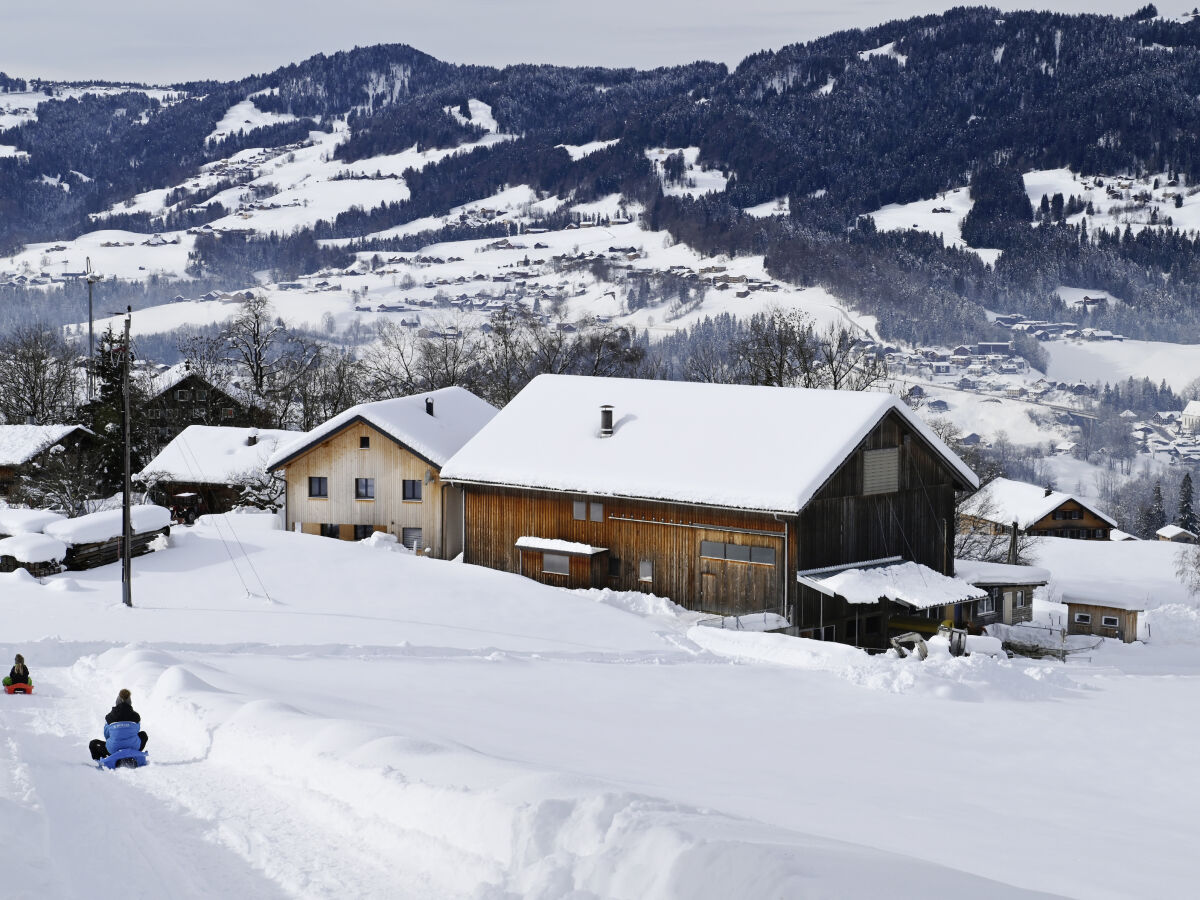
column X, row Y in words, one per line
column 881, row 471
column 364, row 442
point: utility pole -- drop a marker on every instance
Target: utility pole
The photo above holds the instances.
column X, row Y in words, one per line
column 91, row 368
column 127, row 524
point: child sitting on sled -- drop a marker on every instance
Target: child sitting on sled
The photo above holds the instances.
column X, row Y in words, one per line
column 19, row 673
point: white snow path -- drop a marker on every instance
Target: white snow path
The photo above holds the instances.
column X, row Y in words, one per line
column 79, row 828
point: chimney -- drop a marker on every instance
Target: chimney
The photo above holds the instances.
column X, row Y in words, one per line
column 1049, row 490
column 606, row 421
column 252, row 437
column 429, row 406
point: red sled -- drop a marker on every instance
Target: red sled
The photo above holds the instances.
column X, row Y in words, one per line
column 18, row 689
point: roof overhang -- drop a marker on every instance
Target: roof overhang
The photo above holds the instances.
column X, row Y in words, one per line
column 903, row 582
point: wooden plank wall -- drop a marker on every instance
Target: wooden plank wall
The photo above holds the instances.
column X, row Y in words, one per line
column 341, row 461
column 663, row 533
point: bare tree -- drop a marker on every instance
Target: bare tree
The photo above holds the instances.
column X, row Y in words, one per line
column 273, row 358
column 64, row 479
column 392, row 362
column 780, row 349
column 39, row 376
column 333, row 383
column 846, row 364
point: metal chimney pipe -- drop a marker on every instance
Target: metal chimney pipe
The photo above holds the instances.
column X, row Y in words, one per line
column 606, row 421
column 429, row 406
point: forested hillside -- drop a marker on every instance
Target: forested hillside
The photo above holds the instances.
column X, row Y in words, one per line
column 838, row 127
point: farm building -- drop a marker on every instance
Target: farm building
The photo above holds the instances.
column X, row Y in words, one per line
column 1036, row 510
column 182, row 396
column 1175, row 534
column 1103, row 615
column 717, row 496
column 23, row 447
column 377, row 467
column 205, row 468
column 1009, row 591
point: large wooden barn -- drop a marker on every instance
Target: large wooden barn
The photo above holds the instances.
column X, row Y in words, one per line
column 727, row 499
column 377, row 467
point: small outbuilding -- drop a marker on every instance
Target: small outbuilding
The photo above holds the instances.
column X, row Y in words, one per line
column 1104, row 615
column 1009, row 590
column 1175, row 534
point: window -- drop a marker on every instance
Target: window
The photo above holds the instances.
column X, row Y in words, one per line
column 197, row 412
column 412, row 489
column 364, row 442
column 579, row 510
column 614, row 567
column 201, row 396
column 411, row 538
column 183, row 396
column 329, row 530
column 1021, row 601
column 362, row 532
column 737, row 552
column 763, row 556
column 364, row 488
column 986, row 605
column 556, row 564
column 881, row 471
column 318, row 487
column 154, row 412
column 1110, row 622
column 227, row 412
column 1083, row 618
column 597, row 511
column 646, row 570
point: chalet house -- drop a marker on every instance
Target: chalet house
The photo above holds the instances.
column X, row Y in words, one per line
column 728, row 499
column 1009, row 592
column 23, row 447
column 378, row 467
column 204, row 468
column 1036, row 510
column 180, row 397
column 1191, row 417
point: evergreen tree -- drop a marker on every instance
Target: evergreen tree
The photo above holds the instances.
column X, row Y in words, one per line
column 105, row 415
column 1187, row 514
column 1157, row 514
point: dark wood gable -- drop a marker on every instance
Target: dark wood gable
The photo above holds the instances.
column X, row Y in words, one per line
column 841, row 524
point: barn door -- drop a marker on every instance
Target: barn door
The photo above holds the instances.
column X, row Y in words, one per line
column 709, row 599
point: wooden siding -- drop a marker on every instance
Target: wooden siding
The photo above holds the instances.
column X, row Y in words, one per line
column 1127, row 620
column 341, row 461
column 668, row 535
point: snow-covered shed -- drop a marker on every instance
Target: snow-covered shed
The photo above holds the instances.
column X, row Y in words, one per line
column 712, row 495
column 377, row 467
column 213, row 464
column 1009, row 591
column 1175, row 534
column 21, row 446
column 16, row 520
column 1036, row 510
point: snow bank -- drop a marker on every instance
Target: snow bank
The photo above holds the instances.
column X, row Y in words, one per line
column 26, row 521
column 33, row 548
column 242, row 518
column 103, row 526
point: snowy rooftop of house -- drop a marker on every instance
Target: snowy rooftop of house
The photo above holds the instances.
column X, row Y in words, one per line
column 210, row 454
column 736, row 446
column 1170, row 532
column 26, row 521
column 21, row 443
column 990, row 573
column 910, row 583
column 1005, row 501
column 1118, row 535
column 1192, row 409
column 169, row 378
column 457, row 417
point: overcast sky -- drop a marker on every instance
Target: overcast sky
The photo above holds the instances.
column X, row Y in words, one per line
column 165, row 40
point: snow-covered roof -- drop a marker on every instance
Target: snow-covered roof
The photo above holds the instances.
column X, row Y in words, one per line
column 457, row 417
column 212, row 454
column 1118, row 535
column 33, row 548
column 1170, row 532
column 26, row 521
column 761, row 448
column 554, row 545
column 103, row 526
column 1192, row 409
column 1005, row 501
column 169, row 378
column 21, row 443
column 910, row 583
column 983, row 574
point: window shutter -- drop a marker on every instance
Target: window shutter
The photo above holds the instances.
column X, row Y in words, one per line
column 881, row 471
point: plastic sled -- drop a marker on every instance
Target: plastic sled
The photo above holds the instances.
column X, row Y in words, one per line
column 18, row 689
column 125, row 758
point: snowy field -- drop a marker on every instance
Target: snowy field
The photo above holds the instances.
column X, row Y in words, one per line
column 1113, row 361
column 368, row 723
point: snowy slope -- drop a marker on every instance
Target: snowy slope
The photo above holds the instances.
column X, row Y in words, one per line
column 450, row 732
